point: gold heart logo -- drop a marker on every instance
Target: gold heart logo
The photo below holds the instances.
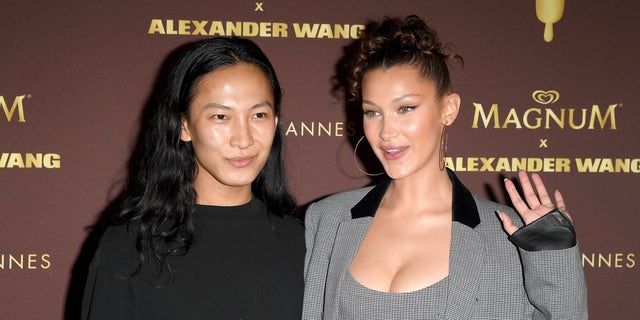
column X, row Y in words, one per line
column 545, row 97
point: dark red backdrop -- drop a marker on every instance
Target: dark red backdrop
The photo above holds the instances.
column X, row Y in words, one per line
column 75, row 75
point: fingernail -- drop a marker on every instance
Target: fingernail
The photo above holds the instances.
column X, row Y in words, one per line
column 505, row 180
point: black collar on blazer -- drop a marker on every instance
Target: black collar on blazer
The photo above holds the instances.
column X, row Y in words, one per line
column 463, row 205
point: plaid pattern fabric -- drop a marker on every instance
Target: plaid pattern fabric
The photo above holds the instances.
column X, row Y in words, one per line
column 489, row 278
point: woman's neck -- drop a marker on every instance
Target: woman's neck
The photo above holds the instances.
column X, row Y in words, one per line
column 420, row 193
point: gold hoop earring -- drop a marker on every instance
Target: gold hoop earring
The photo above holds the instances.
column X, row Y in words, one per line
column 355, row 161
column 443, row 147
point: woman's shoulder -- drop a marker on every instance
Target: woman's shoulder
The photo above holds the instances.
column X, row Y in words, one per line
column 348, row 198
column 335, row 207
column 488, row 205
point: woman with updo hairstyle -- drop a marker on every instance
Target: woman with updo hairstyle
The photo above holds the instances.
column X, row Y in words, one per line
column 205, row 228
column 419, row 244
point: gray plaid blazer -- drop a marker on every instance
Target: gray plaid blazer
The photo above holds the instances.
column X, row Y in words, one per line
column 489, row 277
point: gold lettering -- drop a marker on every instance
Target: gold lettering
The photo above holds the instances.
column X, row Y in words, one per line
column 572, row 124
column 328, row 31
column 46, row 263
column 532, row 118
column 502, row 165
column 479, row 111
column 14, row 261
column 552, row 115
column 490, row 164
column 526, row 118
column 486, row 164
column 595, row 113
column 52, row 161
column 10, row 261
column 587, row 164
column 356, row 30
column 608, row 165
column 156, row 26
column 339, row 128
column 291, row 129
column 325, row 31
column 216, row 29
column 15, row 160
column 199, row 27
column 29, row 160
column 305, row 30
column 184, row 27
column 341, row 31
column 604, row 260
column 250, row 29
column 563, row 165
column 233, row 28
column 325, row 129
column 631, row 261
column 335, row 129
column 17, row 104
column 472, row 164
column 512, row 117
column 308, row 129
column 280, row 29
column 170, row 29
column 265, row 29
column 31, row 260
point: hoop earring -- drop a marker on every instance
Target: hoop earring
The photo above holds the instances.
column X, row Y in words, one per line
column 355, row 161
column 443, row 147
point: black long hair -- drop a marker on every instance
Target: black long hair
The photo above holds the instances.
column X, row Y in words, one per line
column 159, row 197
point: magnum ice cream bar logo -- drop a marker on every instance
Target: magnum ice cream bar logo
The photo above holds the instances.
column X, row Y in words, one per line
column 545, row 115
column 549, row 12
column 545, row 97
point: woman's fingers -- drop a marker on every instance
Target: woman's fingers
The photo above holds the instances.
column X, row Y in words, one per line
column 507, row 223
column 561, row 206
column 543, row 196
column 515, row 196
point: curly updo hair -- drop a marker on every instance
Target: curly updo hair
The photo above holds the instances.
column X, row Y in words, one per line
column 402, row 42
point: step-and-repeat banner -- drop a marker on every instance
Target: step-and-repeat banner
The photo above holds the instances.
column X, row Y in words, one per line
column 550, row 89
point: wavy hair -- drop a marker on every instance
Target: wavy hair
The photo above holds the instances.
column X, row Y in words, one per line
column 395, row 42
column 159, row 197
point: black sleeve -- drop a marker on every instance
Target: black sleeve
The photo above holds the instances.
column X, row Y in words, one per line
column 107, row 295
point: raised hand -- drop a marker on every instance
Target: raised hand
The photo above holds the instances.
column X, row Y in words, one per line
column 538, row 202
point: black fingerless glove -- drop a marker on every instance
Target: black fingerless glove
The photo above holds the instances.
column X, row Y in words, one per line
column 553, row 231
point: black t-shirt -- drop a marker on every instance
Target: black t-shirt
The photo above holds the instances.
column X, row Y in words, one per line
column 244, row 264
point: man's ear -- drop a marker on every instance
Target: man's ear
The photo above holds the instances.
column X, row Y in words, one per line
column 185, row 134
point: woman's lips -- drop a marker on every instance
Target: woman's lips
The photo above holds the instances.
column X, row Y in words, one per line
column 393, row 153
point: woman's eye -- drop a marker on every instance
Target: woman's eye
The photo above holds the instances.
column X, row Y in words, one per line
column 369, row 113
column 219, row 117
column 405, row 109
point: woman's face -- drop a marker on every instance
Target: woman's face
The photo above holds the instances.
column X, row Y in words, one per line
column 403, row 119
column 231, row 124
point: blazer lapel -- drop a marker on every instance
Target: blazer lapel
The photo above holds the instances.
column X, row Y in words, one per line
column 465, row 271
column 348, row 239
column 466, row 259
